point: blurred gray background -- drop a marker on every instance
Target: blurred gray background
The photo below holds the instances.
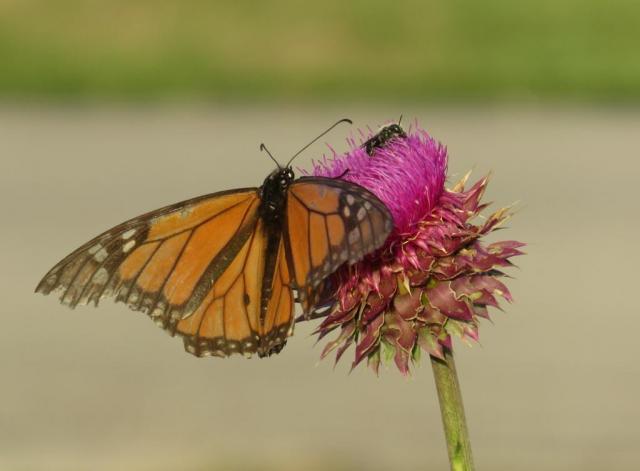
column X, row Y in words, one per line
column 111, row 109
column 553, row 385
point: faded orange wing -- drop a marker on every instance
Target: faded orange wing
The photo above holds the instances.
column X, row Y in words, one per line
column 330, row 222
column 243, row 313
column 163, row 262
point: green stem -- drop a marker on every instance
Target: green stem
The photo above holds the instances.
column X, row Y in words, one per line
column 455, row 425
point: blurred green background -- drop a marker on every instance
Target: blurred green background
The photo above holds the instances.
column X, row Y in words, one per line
column 578, row 50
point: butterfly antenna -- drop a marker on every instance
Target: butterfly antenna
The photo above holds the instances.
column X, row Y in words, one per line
column 343, row 120
column 400, row 120
column 264, row 149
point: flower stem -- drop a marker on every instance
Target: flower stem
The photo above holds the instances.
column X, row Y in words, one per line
column 455, row 425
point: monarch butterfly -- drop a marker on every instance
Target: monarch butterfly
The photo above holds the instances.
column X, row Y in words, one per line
column 220, row 269
column 383, row 136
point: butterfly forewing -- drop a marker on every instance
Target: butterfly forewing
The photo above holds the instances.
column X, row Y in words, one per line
column 157, row 262
column 330, row 222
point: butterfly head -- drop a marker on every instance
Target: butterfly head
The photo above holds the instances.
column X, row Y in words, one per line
column 280, row 178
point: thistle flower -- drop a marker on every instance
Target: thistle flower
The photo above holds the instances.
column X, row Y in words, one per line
column 434, row 278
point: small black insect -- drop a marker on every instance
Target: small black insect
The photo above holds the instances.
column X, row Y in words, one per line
column 383, row 136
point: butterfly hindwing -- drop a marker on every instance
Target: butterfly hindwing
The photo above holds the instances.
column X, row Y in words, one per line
column 278, row 311
column 235, row 315
column 330, row 222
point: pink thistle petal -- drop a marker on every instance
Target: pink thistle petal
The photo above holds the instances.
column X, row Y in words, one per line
column 375, row 306
column 431, row 315
column 372, row 334
column 479, row 260
column 492, row 285
column 479, row 290
column 399, row 332
column 481, row 311
column 448, row 268
column 428, row 342
column 487, row 299
column 343, row 349
column 474, row 194
column 401, row 360
column 470, row 287
column 408, row 305
column 495, row 220
column 388, row 285
column 418, row 278
column 443, row 298
column 345, row 335
column 349, row 300
column 425, row 261
column 336, row 319
column 506, row 248
column 446, row 342
column 373, row 362
column 471, row 331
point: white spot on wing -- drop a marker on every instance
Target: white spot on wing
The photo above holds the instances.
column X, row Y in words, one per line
column 100, row 255
column 94, row 249
column 128, row 246
column 350, row 199
column 128, row 234
column 101, row 276
column 185, row 212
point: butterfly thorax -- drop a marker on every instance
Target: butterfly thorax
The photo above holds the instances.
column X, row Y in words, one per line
column 273, row 195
